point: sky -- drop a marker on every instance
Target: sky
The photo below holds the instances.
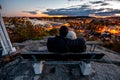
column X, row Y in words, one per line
column 38, row 8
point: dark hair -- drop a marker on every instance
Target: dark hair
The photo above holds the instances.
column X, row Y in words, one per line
column 63, row 31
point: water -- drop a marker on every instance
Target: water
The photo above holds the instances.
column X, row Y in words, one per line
column 36, row 22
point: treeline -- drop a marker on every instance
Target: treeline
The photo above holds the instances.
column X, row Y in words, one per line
column 20, row 34
column 25, row 30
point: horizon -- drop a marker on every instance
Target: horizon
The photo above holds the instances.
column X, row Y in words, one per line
column 47, row 8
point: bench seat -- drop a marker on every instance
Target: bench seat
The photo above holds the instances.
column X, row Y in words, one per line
column 69, row 56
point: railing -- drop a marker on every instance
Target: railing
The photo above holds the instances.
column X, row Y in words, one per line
column 93, row 44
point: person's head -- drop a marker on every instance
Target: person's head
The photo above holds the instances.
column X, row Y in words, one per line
column 71, row 35
column 63, row 31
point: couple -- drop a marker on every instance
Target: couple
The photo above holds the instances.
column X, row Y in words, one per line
column 66, row 42
column 67, row 33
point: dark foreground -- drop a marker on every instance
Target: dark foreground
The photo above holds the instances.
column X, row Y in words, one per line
column 108, row 68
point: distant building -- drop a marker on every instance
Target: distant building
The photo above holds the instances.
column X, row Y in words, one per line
column 8, row 25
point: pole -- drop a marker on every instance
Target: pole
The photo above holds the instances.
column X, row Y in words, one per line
column 5, row 41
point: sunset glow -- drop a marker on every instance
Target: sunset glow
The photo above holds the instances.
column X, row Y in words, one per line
column 60, row 8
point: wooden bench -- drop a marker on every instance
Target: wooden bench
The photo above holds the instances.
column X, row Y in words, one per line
column 45, row 57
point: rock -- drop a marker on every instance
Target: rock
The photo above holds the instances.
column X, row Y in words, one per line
column 105, row 69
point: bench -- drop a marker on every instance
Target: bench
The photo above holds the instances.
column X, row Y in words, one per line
column 45, row 57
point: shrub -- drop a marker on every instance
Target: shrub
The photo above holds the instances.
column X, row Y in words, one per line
column 54, row 32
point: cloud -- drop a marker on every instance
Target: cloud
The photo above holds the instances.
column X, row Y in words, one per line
column 104, row 9
column 105, row 4
column 112, row 0
column 109, row 13
column 95, row 7
column 75, row 0
column 31, row 12
column 85, row 6
column 97, row 2
column 83, row 10
column 101, row 3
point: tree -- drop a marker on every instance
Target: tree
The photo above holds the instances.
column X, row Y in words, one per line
column 54, row 32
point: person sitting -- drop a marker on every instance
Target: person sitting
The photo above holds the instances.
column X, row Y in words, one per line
column 58, row 43
column 71, row 34
column 63, row 31
column 75, row 44
column 62, row 44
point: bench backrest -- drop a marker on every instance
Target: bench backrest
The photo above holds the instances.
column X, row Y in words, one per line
column 60, row 44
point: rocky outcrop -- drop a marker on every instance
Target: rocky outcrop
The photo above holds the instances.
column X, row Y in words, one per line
column 107, row 68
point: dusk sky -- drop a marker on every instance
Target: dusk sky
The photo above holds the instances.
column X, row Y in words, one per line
column 39, row 8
